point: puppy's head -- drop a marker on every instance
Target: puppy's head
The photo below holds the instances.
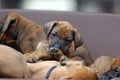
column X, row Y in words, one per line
column 8, row 32
column 62, row 35
column 9, row 20
column 111, row 74
column 9, row 25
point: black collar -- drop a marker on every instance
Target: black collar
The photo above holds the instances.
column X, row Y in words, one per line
column 49, row 71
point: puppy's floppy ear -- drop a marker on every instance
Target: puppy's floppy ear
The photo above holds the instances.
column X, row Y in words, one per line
column 48, row 27
column 7, row 21
column 77, row 39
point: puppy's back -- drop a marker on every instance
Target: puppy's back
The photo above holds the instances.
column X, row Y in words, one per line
column 12, row 63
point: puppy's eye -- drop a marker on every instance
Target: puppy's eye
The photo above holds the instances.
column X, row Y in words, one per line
column 53, row 34
column 67, row 39
column 117, row 69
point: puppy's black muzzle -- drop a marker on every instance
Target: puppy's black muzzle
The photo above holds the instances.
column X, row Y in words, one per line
column 59, row 44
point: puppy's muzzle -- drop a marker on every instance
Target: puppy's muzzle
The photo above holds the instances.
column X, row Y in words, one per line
column 53, row 51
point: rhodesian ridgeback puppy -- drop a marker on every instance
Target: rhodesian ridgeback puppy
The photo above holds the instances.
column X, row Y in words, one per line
column 24, row 33
column 62, row 35
column 14, row 65
column 102, row 64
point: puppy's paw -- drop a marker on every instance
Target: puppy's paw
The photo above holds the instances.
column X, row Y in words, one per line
column 54, row 51
column 63, row 58
column 31, row 58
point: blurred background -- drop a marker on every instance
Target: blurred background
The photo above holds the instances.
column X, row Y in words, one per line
column 101, row 6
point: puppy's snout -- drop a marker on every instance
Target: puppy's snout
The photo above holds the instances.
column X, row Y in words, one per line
column 53, row 50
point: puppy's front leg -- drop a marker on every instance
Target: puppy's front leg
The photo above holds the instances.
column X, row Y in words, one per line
column 37, row 55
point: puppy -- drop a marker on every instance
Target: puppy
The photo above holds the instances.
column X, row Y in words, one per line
column 61, row 35
column 24, row 33
column 14, row 65
column 102, row 64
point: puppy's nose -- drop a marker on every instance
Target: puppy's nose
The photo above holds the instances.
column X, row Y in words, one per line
column 103, row 78
column 53, row 50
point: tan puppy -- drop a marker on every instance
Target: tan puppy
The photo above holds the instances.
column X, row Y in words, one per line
column 25, row 33
column 13, row 65
column 102, row 64
column 61, row 35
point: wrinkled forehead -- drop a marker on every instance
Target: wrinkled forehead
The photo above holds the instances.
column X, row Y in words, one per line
column 64, row 28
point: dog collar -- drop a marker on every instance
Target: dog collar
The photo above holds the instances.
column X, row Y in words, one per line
column 49, row 71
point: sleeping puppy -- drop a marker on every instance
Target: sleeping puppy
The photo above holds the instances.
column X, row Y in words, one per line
column 14, row 65
column 102, row 64
column 62, row 35
column 24, row 33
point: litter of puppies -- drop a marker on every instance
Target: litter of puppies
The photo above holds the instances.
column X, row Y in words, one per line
column 53, row 51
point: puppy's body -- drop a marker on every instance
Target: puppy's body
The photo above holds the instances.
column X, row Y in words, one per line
column 74, row 70
column 25, row 33
column 12, row 63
